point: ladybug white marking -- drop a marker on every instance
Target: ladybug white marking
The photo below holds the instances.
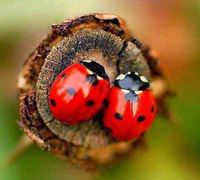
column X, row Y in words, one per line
column 143, row 79
column 99, row 78
column 87, row 61
column 89, row 72
column 138, row 92
column 125, row 91
column 120, row 77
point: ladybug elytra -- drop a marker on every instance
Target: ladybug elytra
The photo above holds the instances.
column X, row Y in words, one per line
column 132, row 107
column 78, row 92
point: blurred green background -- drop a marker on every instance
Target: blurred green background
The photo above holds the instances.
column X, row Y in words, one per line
column 171, row 27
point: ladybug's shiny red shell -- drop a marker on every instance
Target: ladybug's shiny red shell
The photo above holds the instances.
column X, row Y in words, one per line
column 132, row 107
column 78, row 93
column 129, row 115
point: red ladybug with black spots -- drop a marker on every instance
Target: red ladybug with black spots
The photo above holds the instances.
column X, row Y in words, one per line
column 78, row 92
column 131, row 107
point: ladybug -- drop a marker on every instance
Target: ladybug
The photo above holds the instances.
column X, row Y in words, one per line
column 131, row 107
column 78, row 92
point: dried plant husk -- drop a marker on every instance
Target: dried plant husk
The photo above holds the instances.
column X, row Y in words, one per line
column 100, row 37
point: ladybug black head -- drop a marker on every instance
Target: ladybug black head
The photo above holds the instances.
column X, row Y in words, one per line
column 95, row 68
column 131, row 81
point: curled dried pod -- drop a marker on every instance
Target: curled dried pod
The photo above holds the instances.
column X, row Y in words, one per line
column 103, row 38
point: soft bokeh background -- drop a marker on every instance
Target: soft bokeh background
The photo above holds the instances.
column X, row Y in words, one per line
column 171, row 27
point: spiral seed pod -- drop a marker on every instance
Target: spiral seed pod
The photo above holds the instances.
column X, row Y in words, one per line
column 103, row 38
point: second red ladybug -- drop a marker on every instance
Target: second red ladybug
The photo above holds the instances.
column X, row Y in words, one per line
column 131, row 107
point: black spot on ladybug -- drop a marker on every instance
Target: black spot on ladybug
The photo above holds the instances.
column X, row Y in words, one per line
column 53, row 102
column 96, row 68
column 152, row 108
column 71, row 91
column 92, row 78
column 141, row 118
column 131, row 96
column 90, row 103
column 105, row 103
column 63, row 75
column 118, row 116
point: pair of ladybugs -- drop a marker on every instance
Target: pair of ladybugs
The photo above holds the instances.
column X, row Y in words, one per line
column 83, row 89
